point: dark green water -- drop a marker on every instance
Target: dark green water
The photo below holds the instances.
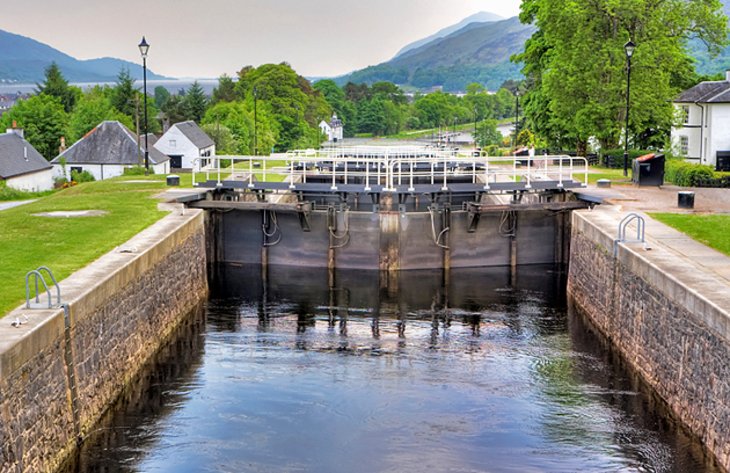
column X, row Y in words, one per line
column 298, row 372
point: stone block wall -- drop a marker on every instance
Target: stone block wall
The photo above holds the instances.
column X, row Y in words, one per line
column 675, row 338
column 55, row 383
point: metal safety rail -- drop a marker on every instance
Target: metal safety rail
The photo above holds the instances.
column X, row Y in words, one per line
column 387, row 169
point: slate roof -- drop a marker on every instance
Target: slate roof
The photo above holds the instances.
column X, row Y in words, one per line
column 13, row 160
column 192, row 131
column 110, row 143
column 707, row 92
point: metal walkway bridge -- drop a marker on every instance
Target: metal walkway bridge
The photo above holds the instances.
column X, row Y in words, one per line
column 395, row 170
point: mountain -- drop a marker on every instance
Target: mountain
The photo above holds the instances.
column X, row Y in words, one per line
column 704, row 63
column 24, row 60
column 478, row 52
column 481, row 17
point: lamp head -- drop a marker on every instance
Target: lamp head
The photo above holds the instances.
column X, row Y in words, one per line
column 629, row 48
column 144, row 47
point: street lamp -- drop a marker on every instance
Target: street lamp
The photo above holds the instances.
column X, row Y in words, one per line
column 143, row 48
column 629, row 48
column 517, row 117
column 255, row 122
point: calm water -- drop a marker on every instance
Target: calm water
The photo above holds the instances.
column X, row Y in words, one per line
column 296, row 372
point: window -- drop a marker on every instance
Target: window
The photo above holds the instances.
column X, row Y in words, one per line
column 173, row 144
column 685, row 114
column 684, row 145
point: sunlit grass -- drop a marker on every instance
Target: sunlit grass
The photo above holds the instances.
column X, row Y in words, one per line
column 711, row 230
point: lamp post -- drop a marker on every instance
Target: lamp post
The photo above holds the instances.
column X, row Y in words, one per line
column 143, row 48
column 629, row 48
column 255, row 122
column 517, row 118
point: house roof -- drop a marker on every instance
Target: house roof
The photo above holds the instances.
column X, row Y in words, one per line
column 110, row 143
column 13, row 153
column 707, row 92
column 192, row 131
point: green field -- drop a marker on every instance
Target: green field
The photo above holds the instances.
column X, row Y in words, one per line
column 68, row 244
column 711, row 230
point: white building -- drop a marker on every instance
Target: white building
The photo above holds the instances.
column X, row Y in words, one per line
column 106, row 151
column 332, row 130
column 187, row 146
column 21, row 166
column 704, row 135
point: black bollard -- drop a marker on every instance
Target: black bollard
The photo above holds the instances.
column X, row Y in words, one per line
column 686, row 200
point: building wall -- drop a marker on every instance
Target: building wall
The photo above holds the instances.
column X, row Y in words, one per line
column 56, row 382
column 665, row 327
column 107, row 171
column 175, row 143
column 34, row 182
column 719, row 133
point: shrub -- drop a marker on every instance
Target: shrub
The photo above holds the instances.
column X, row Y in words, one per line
column 134, row 171
column 614, row 158
column 83, row 176
column 687, row 174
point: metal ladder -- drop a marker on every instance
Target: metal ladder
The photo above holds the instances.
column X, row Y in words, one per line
column 37, row 275
column 622, row 226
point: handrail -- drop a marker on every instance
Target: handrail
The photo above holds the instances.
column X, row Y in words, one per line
column 623, row 225
column 343, row 165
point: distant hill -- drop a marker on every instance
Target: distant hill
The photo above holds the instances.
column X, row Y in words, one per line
column 477, row 52
column 706, row 64
column 24, row 60
column 481, row 17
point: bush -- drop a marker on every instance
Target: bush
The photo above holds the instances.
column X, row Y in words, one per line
column 614, row 158
column 687, row 174
column 83, row 176
column 134, row 171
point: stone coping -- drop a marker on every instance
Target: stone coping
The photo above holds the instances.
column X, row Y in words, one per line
column 90, row 286
column 692, row 275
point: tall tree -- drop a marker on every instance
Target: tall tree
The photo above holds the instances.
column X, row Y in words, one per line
column 161, row 96
column 576, row 65
column 56, row 85
column 226, row 90
column 93, row 108
column 123, row 94
column 195, row 102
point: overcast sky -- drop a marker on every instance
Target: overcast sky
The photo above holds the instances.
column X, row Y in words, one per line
column 206, row 38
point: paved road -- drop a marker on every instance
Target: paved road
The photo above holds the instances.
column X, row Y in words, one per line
column 14, row 203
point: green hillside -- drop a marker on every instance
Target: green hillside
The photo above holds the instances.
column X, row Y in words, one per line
column 479, row 52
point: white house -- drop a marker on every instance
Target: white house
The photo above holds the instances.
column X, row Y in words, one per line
column 333, row 129
column 21, row 166
column 704, row 135
column 187, row 146
column 106, row 151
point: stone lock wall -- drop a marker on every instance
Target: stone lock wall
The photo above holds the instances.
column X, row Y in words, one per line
column 670, row 333
column 56, row 382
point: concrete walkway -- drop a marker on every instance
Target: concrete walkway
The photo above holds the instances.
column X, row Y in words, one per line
column 689, row 256
column 14, row 203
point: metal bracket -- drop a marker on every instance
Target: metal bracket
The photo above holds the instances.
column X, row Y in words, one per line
column 474, row 213
column 304, row 210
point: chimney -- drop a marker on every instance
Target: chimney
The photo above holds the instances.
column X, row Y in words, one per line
column 62, row 148
column 16, row 130
column 25, row 152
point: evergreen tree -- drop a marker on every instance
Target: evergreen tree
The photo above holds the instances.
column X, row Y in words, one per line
column 57, row 86
column 195, row 103
column 226, row 90
column 123, row 94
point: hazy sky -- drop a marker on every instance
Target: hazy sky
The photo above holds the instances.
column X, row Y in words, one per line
column 205, row 38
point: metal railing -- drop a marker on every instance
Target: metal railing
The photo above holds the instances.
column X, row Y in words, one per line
column 37, row 275
column 623, row 226
column 390, row 167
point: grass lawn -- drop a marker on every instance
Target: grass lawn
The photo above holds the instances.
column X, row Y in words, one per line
column 711, row 230
column 68, row 244
column 616, row 176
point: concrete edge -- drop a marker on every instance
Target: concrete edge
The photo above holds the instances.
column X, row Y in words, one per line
column 686, row 283
column 40, row 329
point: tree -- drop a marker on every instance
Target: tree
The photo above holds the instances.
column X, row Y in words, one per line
column 173, row 111
column 225, row 142
column 575, row 63
column 56, row 85
column 195, row 103
column 487, row 133
column 226, row 90
column 94, row 107
column 123, row 94
column 162, row 95
column 44, row 121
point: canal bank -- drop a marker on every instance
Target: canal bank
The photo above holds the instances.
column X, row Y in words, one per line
column 665, row 306
column 60, row 371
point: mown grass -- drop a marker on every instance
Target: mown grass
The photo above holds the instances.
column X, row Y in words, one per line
column 616, row 176
column 68, row 244
column 711, row 230
column 8, row 193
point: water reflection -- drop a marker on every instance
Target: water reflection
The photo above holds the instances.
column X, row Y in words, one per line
column 307, row 370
